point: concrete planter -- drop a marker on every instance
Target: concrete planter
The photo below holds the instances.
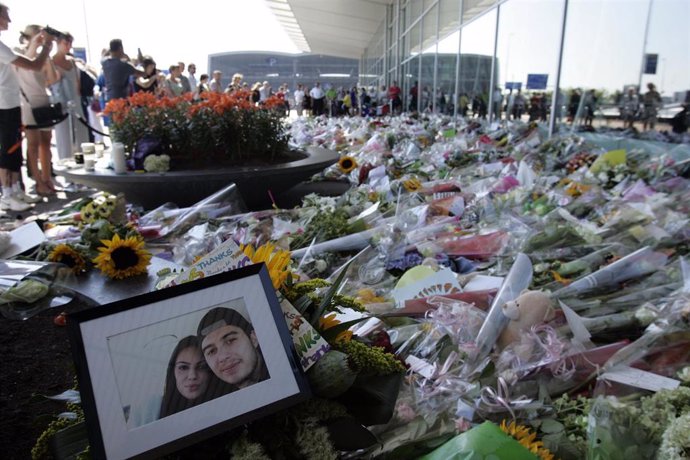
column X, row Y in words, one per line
column 187, row 187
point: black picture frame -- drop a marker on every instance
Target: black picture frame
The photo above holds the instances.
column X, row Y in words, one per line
column 100, row 336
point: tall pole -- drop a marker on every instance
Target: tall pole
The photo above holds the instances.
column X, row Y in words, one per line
column 557, row 88
column 492, row 80
column 86, row 30
column 386, row 41
column 456, row 94
column 644, row 46
column 420, row 58
column 435, row 88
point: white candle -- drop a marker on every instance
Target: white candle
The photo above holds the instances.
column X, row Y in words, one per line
column 88, row 147
column 117, row 155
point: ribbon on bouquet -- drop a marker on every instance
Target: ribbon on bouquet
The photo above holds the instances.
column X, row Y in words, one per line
column 499, row 398
column 545, row 337
column 444, row 381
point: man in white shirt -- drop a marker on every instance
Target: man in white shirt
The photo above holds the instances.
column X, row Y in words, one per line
column 13, row 198
column 498, row 103
column 299, row 99
column 191, row 70
column 264, row 92
column 184, row 81
column 317, row 97
column 215, row 86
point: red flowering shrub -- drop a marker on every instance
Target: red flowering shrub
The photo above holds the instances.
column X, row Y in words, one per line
column 219, row 128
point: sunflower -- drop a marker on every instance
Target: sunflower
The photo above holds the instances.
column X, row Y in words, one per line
column 330, row 320
column 369, row 296
column 576, row 189
column 527, row 438
column 559, row 279
column 346, row 164
column 412, row 185
column 122, row 257
column 277, row 262
column 67, row 255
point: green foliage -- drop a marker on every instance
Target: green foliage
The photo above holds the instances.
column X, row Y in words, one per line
column 325, row 225
column 675, row 444
column 565, row 432
column 346, row 301
column 41, row 451
column 657, row 410
column 298, row 432
column 626, row 429
column 301, row 289
column 370, row 360
column 222, row 128
column 244, row 449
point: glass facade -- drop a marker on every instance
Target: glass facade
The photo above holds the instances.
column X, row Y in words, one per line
column 602, row 46
column 280, row 68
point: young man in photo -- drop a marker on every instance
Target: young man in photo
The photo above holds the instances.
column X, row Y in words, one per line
column 230, row 347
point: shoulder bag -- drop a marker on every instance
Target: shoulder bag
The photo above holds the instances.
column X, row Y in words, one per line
column 47, row 115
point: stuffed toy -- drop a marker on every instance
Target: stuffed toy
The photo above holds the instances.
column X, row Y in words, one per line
column 529, row 309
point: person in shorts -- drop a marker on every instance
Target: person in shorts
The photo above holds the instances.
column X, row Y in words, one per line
column 10, row 115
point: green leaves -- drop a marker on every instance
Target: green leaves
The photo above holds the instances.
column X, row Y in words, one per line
column 326, row 301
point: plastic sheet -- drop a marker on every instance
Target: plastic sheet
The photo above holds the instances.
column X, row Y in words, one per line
column 174, row 221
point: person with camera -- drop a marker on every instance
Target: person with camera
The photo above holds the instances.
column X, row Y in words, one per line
column 38, row 132
column 117, row 71
column 10, row 114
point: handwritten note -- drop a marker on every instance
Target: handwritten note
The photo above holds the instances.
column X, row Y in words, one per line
column 227, row 256
column 308, row 342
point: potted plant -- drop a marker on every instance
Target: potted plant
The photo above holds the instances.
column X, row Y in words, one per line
column 215, row 131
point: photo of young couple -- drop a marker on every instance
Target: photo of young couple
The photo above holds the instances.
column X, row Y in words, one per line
column 222, row 356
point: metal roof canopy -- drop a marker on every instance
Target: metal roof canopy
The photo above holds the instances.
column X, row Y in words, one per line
column 344, row 28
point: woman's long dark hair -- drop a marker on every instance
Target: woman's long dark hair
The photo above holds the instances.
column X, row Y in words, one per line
column 173, row 401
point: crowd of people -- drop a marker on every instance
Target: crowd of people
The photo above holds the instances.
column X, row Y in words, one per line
column 31, row 81
column 46, row 94
column 50, row 96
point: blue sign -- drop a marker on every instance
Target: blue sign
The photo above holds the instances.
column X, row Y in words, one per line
column 79, row 53
column 537, row 80
column 650, row 62
column 514, row 85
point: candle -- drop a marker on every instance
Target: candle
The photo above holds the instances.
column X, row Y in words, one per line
column 117, row 155
column 88, row 147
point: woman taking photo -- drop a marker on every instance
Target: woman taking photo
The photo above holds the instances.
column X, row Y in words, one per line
column 149, row 83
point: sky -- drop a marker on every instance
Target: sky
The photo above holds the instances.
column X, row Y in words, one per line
column 603, row 42
column 603, row 45
column 168, row 31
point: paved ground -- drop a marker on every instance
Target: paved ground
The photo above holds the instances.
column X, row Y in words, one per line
column 66, row 194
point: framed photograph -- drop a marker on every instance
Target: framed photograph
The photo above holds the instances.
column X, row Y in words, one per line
column 170, row 368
